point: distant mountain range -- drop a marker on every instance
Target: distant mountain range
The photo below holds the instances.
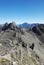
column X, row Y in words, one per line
column 27, row 25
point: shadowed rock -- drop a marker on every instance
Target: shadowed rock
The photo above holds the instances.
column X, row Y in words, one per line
column 32, row 46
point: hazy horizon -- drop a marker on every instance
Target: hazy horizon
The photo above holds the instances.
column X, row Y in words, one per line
column 20, row 11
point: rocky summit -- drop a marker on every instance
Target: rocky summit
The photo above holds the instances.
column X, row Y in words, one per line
column 21, row 46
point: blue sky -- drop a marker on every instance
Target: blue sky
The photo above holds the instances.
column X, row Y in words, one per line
column 31, row 11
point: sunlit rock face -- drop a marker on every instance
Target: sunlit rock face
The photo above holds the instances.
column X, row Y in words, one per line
column 21, row 46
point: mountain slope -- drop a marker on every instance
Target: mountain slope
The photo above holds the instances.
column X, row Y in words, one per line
column 21, row 45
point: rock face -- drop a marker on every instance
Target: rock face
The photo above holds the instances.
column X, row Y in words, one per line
column 39, row 31
column 21, row 46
